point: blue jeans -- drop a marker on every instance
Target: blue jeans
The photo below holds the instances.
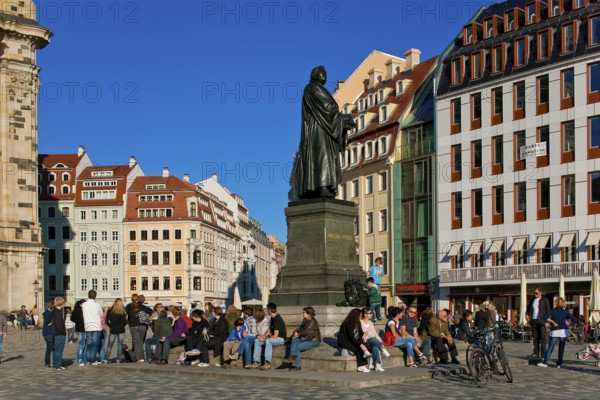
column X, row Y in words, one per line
column 81, row 357
column 376, row 308
column 92, row 338
column 111, row 341
column 1, row 340
column 375, row 347
column 561, row 349
column 49, row 349
column 245, row 348
column 59, row 346
column 101, row 343
column 426, row 346
column 408, row 343
column 153, row 341
column 269, row 344
column 299, row 345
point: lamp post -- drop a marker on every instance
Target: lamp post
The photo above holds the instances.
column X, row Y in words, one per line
column 36, row 290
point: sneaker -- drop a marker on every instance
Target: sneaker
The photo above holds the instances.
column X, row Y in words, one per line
column 104, row 361
column 234, row 356
column 534, row 356
column 422, row 358
column 255, row 365
column 412, row 365
column 385, row 352
column 542, row 365
column 558, row 366
column 81, row 364
column 379, row 368
column 247, row 366
column 96, row 363
column 364, row 368
column 217, row 365
column 195, row 362
column 203, row 365
column 266, row 367
column 141, row 360
column 366, row 354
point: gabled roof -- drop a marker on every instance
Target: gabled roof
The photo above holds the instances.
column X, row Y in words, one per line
column 171, row 183
column 119, row 171
column 51, row 160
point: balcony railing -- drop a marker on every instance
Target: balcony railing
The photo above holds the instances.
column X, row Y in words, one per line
column 416, row 149
column 533, row 272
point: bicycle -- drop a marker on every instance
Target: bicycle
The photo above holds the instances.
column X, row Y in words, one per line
column 483, row 356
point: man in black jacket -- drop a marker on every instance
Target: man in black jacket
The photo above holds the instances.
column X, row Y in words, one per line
column 538, row 306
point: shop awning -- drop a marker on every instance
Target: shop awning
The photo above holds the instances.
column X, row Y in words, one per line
column 566, row 240
column 496, row 246
column 593, row 239
column 475, row 246
column 541, row 242
column 455, row 249
column 518, row 243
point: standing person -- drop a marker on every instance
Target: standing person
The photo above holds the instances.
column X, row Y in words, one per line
column 351, row 339
column 70, row 328
column 306, row 337
column 23, row 317
column 77, row 317
column 371, row 338
column 136, row 328
column 92, row 318
column 557, row 318
column 275, row 337
column 374, row 296
column 35, row 316
column 47, row 333
column 116, row 319
column 538, row 307
column 376, row 271
column 3, row 329
column 59, row 333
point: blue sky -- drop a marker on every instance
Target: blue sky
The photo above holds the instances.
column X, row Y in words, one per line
column 208, row 87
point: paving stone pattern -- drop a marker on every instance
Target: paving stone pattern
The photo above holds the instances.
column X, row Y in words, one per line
column 23, row 374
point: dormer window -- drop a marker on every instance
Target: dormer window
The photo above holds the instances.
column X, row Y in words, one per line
column 532, row 13
column 579, row 4
column 569, row 37
column 66, row 177
column 380, row 95
column 489, row 28
column 51, row 177
column 399, row 88
column 521, row 52
column 457, row 71
column 383, row 145
column 555, row 8
column 193, row 210
column 371, row 100
column 369, row 150
column 383, row 113
column 469, row 35
column 477, row 65
column 498, row 53
column 509, row 20
column 354, row 155
column 361, row 122
column 361, row 104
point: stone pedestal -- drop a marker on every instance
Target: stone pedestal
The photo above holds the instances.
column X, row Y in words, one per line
column 321, row 257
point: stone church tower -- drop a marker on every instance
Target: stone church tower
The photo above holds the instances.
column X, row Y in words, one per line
column 21, row 252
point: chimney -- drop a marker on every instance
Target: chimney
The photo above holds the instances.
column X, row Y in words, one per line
column 186, row 177
column 413, row 58
column 165, row 172
column 80, row 150
column 132, row 161
column 392, row 68
column 375, row 76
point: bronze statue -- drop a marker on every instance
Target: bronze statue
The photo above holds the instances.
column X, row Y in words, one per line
column 317, row 171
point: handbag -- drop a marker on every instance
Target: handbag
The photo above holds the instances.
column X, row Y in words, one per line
column 144, row 318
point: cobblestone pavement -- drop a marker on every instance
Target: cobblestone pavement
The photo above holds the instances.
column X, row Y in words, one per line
column 22, row 373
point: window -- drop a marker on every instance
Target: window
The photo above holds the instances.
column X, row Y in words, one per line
column 369, row 150
column 65, row 212
column 369, row 223
column 132, row 283
column 104, row 259
column 543, row 211
column 51, row 212
column 66, row 282
column 568, row 247
column 509, row 20
column 155, row 258
column 144, row 283
column 51, row 256
column 193, row 210
column 197, row 283
column 497, row 106
column 105, row 284
column 470, row 35
column 543, row 136
column 356, row 227
column 567, row 84
column 455, row 113
column 476, row 65
column 143, row 235
column 569, row 37
column 520, row 202
column 66, row 232
column 115, row 235
column 457, row 71
column 384, row 258
column 132, row 258
column 64, row 189
column 178, row 257
column 382, row 220
column 497, row 155
column 519, row 142
column 84, row 260
column 594, row 83
column 165, row 234
column 370, row 259
column 192, row 234
column 498, row 205
column 155, row 283
column 476, row 111
column 104, row 236
column 383, row 145
column 543, row 45
column 84, row 285
column 476, row 207
column 543, row 95
column 594, row 193
column 578, row 4
column 498, row 58
column 355, row 188
column 476, row 159
column 95, row 284
column 383, row 114
column 568, row 190
column 519, row 100
column 498, row 251
column 177, row 234
column 155, row 234
column 520, row 52
column 82, row 215
column 197, row 257
column 489, row 28
column 520, row 251
column 115, row 214
column 115, row 258
column 457, row 210
column 51, row 189
column 167, row 283
column 115, row 284
column 568, row 141
column 556, row 8
column 456, row 161
column 132, row 235
column 94, row 215
column 178, row 283
column 369, row 184
column 51, row 233
column 166, row 259
column 594, row 30
column 594, row 137
column 94, row 236
column 144, row 258
column 532, row 15
column 382, row 181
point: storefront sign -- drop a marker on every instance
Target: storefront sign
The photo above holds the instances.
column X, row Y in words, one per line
column 533, row 150
column 421, row 288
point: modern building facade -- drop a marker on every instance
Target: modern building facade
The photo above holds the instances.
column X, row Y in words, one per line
column 518, row 126
column 21, row 251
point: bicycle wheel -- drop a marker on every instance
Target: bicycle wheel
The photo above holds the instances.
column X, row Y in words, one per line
column 505, row 366
column 478, row 367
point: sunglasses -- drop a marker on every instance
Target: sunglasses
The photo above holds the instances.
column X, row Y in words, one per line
column 536, row 293
column 369, row 312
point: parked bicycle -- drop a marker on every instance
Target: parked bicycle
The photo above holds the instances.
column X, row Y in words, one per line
column 484, row 356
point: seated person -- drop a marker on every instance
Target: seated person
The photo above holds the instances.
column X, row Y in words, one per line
column 440, row 338
column 231, row 345
column 407, row 342
column 306, row 337
column 194, row 335
column 275, row 337
column 162, row 329
column 408, row 326
column 465, row 332
column 350, row 338
column 216, row 335
column 180, row 328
